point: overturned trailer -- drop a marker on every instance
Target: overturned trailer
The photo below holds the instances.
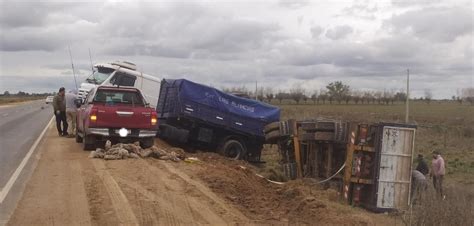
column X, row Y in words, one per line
column 372, row 163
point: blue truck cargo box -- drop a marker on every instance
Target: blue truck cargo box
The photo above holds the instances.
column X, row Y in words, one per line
column 182, row 98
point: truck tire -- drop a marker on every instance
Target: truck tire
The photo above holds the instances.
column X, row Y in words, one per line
column 147, row 142
column 233, row 149
column 78, row 138
column 272, row 136
column 88, row 142
column 272, row 126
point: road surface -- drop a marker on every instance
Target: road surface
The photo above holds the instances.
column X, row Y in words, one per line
column 20, row 126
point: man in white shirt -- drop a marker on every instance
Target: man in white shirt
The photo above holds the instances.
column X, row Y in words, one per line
column 71, row 110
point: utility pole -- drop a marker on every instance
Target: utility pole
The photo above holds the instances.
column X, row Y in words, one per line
column 408, row 96
column 256, row 91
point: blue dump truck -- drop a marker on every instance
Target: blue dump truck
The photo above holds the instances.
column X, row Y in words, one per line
column 205, row 117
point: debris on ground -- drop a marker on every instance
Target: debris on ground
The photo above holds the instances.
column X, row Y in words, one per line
column 191, row 160
column 134, row 150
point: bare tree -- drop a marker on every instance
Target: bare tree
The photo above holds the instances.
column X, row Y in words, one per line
column 315, row 97
column 323, row 95
column 387, row 96
column 269, row 94
column 378, row 96
column 356, row 96
column 400, row 96
column 428, row 95
column 367, row 96
column 297, row 93
column 468, row 95
column 281, row 95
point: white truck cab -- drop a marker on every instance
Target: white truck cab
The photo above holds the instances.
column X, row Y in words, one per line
column 122, row 73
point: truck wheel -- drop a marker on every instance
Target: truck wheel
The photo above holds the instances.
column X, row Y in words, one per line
column 147, row 142
column 273, row 136
column 78, row 138
column 88, row 142
column 272, row 126
column 233, row 149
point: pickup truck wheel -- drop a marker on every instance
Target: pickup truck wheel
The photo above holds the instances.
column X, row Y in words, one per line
column 233, row 149
column 78, row 138
column 147, row 142
column 88, row 142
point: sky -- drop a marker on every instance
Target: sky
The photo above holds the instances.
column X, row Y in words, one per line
column 368, row 45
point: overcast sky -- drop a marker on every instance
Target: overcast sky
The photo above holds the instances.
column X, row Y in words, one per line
column 281, row 44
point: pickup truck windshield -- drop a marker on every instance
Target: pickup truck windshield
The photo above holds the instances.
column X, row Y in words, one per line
column 99, row 76
column 113, row 97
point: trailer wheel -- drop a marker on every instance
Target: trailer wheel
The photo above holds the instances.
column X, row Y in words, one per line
column 233, row 149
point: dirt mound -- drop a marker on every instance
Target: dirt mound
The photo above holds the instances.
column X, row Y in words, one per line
column 295, row 201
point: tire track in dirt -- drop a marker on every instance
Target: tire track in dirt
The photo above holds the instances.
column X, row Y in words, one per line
column 119, row 200
column 166, row 201
column 195, row 190
column 166, row 195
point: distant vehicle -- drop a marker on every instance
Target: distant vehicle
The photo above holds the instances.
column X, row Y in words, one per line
column 203, row 116
column 49, row 99
column 118, row 114
column 122, row 74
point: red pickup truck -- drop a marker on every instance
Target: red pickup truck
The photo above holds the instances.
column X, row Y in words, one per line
column 115, row 113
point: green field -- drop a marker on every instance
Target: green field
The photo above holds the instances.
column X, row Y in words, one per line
column 444, row 126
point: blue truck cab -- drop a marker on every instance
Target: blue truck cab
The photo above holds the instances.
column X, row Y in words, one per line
column 200, row 115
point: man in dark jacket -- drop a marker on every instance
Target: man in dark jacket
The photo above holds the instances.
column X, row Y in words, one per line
column 59, row 105
column 422, row 166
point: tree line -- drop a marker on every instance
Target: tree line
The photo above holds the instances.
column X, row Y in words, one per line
column 24, row 94
column 340, row 93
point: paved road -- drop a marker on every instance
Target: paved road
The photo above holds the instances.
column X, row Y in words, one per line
column 20, row 126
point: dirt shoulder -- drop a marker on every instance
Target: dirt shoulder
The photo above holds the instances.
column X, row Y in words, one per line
column 68, row 188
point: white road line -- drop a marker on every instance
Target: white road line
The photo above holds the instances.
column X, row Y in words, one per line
column 16, row 174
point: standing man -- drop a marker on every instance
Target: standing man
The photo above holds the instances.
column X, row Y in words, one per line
column 422, row 166
column 71, row 109
column 437, row 172
column 59, row 105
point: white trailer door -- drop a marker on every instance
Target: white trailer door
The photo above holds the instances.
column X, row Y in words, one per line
column 395, row 167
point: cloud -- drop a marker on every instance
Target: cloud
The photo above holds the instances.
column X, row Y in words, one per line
column 362, row 10
column 182, row 31
column 293, row 4
column 411, row 3
column 316, row 31
column 339, row 32
column 435, row 24
column 240, row 43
